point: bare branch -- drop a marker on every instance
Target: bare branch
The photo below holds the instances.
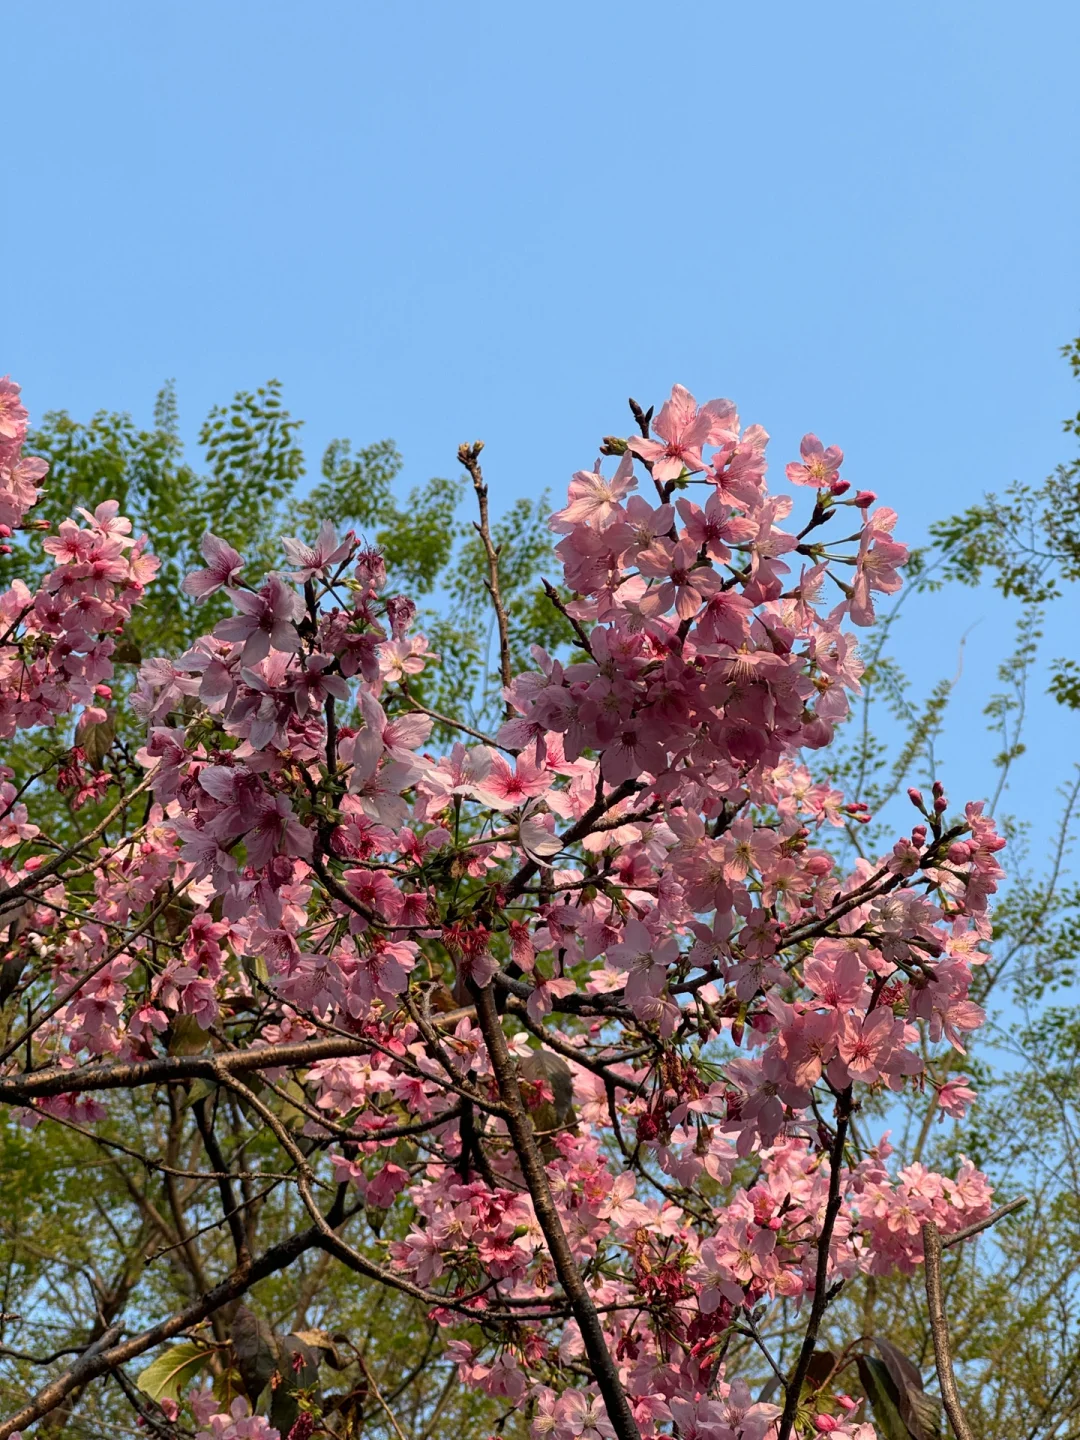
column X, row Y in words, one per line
column 940, row 1331
column 469, row 456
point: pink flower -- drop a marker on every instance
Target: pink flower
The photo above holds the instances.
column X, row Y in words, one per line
column 820, row 467
column 684, row 429
column 955, row 1096
column 311, row 560
column 545, row 993
column 840, row 983
column 877, row 565
column 582, row 1417
column 505, row 787
column 267, row 619
column 223, row 567
column 13, row 413
column 867, row 1044
column 686, row 584
column 594, row 500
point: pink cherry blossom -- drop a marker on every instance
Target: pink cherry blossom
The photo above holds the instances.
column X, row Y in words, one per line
column 684, row 429
column 223, row 568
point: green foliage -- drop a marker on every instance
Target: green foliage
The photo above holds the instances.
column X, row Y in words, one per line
column 1029, row 539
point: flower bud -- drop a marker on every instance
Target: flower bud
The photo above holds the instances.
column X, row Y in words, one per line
column 918, row 835
column 838, row 487
column 864, row 499
column 915, row 796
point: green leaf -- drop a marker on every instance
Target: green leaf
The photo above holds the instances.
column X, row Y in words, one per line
column 228, row 1386
column 97, row 740
column 165, row 1377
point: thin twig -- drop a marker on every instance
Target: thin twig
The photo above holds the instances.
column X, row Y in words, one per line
column 379, row 1396
column 469, row 456
column 991, row 1219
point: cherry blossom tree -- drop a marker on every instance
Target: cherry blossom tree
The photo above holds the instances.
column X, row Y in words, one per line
column 571, row 1029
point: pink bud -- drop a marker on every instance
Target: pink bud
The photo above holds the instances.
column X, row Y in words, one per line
column 918, row 834
column 940, row 804
column 5, row 549
column 915, row 796
column 103, row 691
column 837, row 487
column 864, row 499
column 826, row 1424
column 960, row 853
column 5, row 531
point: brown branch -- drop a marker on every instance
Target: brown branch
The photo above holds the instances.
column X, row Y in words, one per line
column 328, row 1239
column 18, row 1089
column 379, row 1395
column 414, row 704
column 600, row 806
column 556, row 600
column 469, row 456
column 205, row 1121
column 991, row 1219
column 822, row 1294
column 940, row 1331
column 535, row 1175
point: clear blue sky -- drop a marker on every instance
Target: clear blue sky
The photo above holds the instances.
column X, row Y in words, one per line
column 439, row 221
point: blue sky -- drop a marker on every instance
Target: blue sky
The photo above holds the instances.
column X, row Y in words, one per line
column 439, row 221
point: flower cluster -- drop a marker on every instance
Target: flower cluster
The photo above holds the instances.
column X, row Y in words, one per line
column 57, row 643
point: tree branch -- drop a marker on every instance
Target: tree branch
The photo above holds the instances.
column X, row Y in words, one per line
column 940, row 1331
column 469, row 456
column 535, row 1175
column 822, row 1295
